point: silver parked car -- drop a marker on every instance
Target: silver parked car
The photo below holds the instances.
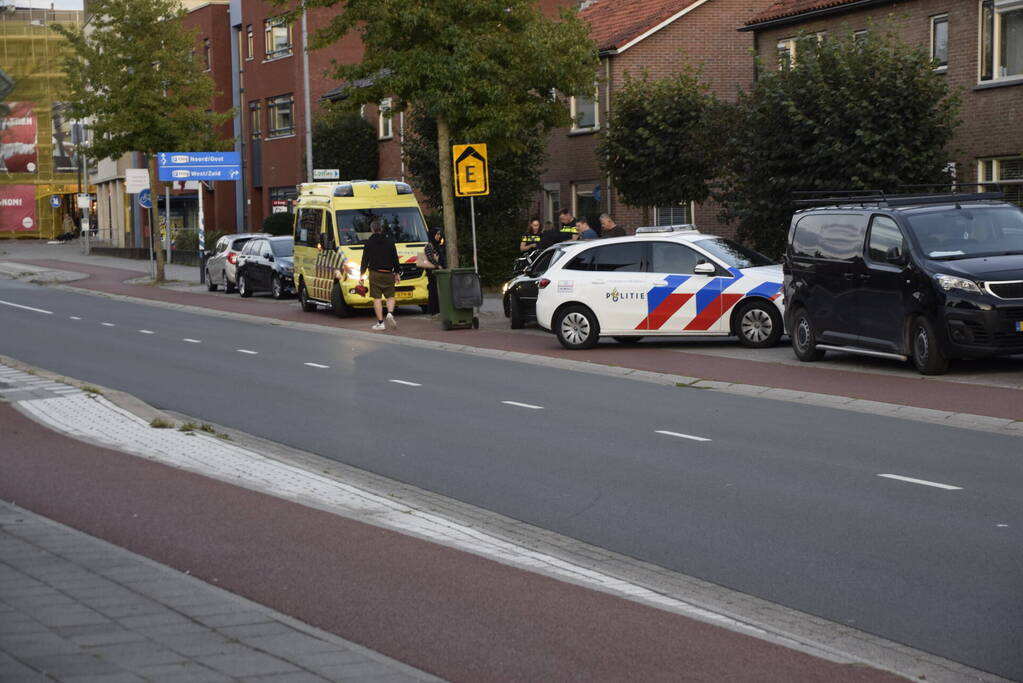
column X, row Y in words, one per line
column 222, row 266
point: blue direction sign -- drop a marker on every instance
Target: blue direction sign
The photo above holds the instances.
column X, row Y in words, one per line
column 199, row 166
column 145, row 199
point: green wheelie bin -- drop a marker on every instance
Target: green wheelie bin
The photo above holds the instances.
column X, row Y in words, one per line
column 459, row 294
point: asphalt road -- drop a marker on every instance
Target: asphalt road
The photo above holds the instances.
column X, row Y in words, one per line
column 779, row 500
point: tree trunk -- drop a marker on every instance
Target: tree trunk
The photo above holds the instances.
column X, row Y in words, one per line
column 447, row 191
column 646, row 215
column 154, row 225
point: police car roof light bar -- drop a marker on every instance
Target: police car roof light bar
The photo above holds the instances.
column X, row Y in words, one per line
column 685, row 227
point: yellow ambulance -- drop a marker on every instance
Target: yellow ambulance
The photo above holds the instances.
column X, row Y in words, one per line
column 332, row 225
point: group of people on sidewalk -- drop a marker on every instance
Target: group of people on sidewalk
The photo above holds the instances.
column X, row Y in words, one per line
column 537, row 238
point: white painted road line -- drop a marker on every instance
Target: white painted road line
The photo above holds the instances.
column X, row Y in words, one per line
column 408, row 384
column 75, row 317
column 27, row 308
column 317, row 365
column 922, row 482
column 192, row 341
column 147, row 332
column 522, row 405
column 681, row 436
column 107, row 324
column 251, row 353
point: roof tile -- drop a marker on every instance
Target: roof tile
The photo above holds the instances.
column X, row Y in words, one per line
column 788, row 8
column 615, row 23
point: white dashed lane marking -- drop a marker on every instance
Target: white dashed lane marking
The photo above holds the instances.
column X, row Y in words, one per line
column 680, row 435
column 147, row 332
column 251, row 353
column 192, row 341
column 317, row 365
column 107, row 324
column 922, row 482
column 74, row 317
column 27, row 308
column 522, row 405
column 408, row 384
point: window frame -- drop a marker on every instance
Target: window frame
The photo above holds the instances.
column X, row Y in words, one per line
column 273, row 106
column 270, row 24
column 207, row 55
column 255, row 119
column 574, row 107
column 940, row 67
column 686, row 207
column 868, row 242
column 989, row 170
column 989, row 41
column 698, row 257
column 250, row 43
column 385, row 120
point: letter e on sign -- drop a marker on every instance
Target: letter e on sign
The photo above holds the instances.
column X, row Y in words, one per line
column 472, row 177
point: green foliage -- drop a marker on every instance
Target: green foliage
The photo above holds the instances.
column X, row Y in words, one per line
column 279, row 223
column 346, row 141
column 500, row 216
column 853, row 114
column 134, row 73
column 661, row 145
column 188, row 240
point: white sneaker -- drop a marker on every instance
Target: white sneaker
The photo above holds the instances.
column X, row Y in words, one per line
column 391, row 322
column 378, row 326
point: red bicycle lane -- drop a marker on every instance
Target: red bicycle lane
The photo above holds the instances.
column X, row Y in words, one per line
column 917, row 392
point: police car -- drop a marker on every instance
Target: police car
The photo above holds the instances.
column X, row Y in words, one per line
column 663, row 281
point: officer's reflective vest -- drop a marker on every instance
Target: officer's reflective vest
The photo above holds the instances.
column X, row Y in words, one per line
column 569, row 228
column 530, row 238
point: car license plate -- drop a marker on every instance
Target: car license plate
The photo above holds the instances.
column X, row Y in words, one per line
column 403, row 295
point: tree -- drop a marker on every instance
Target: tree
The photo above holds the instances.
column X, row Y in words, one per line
column 346, row 141
column 854, row 113
column 501, row 215
column 661, row 145
column 134, row 75
column 484, row 68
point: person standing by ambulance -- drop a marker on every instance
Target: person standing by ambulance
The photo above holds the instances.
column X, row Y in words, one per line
column 380, row 259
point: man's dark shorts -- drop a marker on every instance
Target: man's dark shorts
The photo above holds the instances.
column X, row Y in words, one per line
column 381, row 285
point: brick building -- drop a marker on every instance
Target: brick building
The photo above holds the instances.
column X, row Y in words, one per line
column 657, row 36
column 977, row 46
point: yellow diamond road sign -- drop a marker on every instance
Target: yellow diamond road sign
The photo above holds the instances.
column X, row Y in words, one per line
column 471, row 172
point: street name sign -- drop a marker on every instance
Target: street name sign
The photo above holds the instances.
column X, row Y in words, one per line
column 472, row 178
column 136, row 180
column 199, row 166
column 326, row 174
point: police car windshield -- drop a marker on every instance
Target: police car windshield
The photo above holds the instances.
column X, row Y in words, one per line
column 402, row 224
column 968, row 232
column 734, row 255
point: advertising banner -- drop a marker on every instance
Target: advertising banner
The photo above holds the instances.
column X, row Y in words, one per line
column 18, row 139
column 64, row 158
column 18, row 208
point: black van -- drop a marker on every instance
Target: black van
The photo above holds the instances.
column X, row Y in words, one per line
column 924, row 277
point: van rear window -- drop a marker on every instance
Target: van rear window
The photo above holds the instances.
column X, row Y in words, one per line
column 829, row 236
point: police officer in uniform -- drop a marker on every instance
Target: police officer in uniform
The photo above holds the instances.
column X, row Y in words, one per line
column 568, row 224
column 531, row 239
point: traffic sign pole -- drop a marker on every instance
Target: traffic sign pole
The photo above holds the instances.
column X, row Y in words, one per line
column 472, row 213
column 202, row 239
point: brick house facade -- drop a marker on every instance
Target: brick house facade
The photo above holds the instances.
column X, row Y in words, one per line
column 978, row 47
column 656, row 37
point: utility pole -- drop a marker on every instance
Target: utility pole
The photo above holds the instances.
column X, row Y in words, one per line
column 305, row 91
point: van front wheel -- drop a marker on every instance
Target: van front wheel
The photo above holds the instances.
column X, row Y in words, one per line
column 804, row 338
column 303, row 300
column 927, row 357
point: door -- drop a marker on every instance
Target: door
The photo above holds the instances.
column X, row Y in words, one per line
column 885, row 288
column 679, row 299
column 612, row 280
column 834, row 274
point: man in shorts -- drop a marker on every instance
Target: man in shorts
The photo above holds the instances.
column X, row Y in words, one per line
column 380, row 259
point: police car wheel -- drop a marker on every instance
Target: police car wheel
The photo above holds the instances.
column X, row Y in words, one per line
column 337, row 303
column 927, row 357
column 628, row 340
column 577, row 328
column 804, row 341
column 243, row 286
column 303, row 300
column 211, row 286
column 758, row 324
column 515, row 313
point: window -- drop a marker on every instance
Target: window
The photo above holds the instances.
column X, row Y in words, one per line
column 939, row 42
column 666, row 257
column 282, row 199
column 884, row 234
column 585, row 115
column 280, row 112
column 625, row 257
column 307, row 227
column 254, row 119
column 860, row 35
column 385, row 125
column 207, row 64
column 552, row 203
column 835, row 236
column 1001, row 39
column 278, row 37
column 672, row 215
column 1008, row 173
column 586, row 203
column 250, row 47
column 787, row 53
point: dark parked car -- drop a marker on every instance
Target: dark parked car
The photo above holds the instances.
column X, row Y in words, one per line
column 267, row 264
column 520, row 292
column 928, row 277
column 221, row 267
